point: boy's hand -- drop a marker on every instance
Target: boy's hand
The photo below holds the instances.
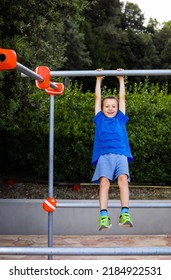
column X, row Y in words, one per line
column 99, row 77
column 120, row 69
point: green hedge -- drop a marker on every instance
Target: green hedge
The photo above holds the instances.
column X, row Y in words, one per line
column 150, row 134
column 24, row 146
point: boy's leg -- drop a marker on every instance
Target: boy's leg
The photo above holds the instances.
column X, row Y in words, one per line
column 104, row 174
column 104, row 193
column 124, row 190
column 125, row 218
column 104, row 220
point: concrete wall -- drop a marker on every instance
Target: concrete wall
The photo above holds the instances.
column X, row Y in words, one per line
column 22, row 217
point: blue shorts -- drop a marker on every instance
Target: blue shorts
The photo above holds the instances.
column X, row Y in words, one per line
column 111, row 166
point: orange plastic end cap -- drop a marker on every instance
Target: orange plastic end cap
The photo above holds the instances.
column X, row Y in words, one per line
column 44, row 72
column 8, row 59
column 58, row 91
column 49, row 205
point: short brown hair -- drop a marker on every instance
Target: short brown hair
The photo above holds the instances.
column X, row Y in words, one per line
column 109, row 97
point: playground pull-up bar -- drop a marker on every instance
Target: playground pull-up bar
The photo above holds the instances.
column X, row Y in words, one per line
column 94, row 73
column 86, row 251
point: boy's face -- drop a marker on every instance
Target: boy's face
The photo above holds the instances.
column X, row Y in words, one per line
column 110, row 107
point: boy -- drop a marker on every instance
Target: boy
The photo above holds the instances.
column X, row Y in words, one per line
column 111, row 152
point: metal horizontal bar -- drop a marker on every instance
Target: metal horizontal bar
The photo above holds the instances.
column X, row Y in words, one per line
column 95, row 204
column 29, row 73
column 89, row 251
column 94, row 73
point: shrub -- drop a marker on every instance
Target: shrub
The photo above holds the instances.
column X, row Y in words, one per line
column 150, row 133
column 25, row 135
column 74, row 131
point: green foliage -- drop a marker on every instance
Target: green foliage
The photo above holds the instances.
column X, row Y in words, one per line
column 25, row 137
column 133, row 18
column 74, row 132
column 79, row 35
column 150, row 133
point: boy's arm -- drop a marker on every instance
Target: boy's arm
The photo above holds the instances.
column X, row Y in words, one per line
column 122, row 102
column 98, row 94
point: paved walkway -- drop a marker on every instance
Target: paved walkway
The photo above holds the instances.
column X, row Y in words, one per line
column 86, row 241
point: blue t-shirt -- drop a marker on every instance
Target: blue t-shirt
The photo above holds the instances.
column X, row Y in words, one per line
column 110, row 136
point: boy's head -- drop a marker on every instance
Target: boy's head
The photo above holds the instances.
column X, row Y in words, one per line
column 110, row 106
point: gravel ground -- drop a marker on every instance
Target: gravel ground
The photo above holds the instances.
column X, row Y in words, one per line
column 80, row 191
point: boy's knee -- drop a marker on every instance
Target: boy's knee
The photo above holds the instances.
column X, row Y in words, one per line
column 122, row 179
column 104, row 182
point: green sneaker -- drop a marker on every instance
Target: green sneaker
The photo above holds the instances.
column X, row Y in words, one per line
column 104, row 222
column 125, row 220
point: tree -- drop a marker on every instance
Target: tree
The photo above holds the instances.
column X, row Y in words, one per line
column 132, row 17
column 77, row 55
column 153, row 26
column 38, row 32
column 162, row 40
column 101, row 29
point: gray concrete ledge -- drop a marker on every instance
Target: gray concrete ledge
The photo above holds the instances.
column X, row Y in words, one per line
column 26, row 217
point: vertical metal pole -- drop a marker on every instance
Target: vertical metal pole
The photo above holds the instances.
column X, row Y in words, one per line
column 51, row 161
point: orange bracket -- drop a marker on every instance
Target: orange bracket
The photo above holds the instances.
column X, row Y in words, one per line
column 8, row 59
column 58, row 91
column 49, row 205
column 44, row 72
